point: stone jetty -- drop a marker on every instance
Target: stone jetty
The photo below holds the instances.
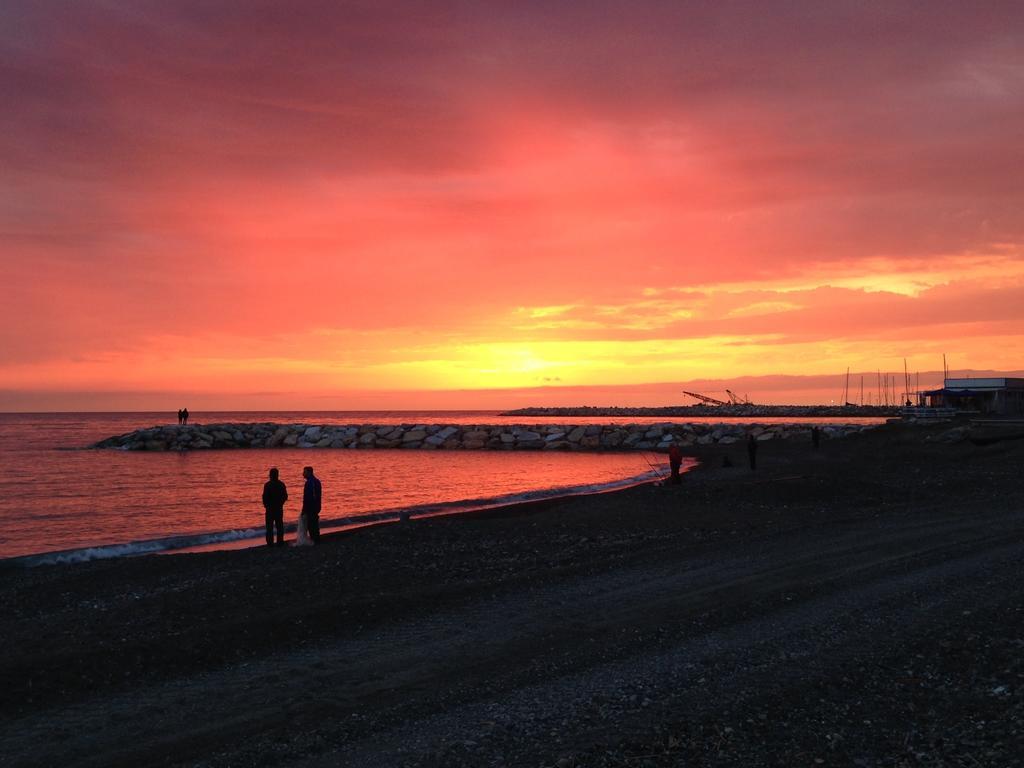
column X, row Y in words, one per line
column 731, row 410
column 535, row 437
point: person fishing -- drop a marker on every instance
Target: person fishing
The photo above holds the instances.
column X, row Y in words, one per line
column 675, row 462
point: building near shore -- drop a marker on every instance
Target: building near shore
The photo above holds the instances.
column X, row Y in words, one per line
column 995, row 396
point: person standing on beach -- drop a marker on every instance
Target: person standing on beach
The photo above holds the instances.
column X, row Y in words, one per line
column 181, row 418
column 675, row 461
column 275, row 494
column 752, row 451
column 184, row 416
column 312, row 496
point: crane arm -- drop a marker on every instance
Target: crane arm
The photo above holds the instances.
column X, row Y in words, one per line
column 704, row 398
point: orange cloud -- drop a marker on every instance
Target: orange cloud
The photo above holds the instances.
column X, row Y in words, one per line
column 346, row 197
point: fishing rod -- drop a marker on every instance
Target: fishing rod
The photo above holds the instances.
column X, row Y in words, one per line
column 657, row 471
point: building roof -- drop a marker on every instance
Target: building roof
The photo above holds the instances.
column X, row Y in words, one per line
column 958, row 392
column 985, row 385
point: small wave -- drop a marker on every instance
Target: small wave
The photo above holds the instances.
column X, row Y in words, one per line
column 133, row 548
column 491, row 502
column 191, row 541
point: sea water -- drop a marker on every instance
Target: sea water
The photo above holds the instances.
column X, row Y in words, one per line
column 61, row 501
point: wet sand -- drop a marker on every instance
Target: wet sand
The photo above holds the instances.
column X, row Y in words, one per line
column 860, row 605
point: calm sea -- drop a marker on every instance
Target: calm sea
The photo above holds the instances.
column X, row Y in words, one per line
column 59, row 498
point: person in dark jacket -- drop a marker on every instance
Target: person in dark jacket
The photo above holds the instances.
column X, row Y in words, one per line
column 275, row 494
column 312, row 496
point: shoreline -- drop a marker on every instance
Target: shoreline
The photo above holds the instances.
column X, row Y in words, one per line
column 254, row 537
column 846, row 605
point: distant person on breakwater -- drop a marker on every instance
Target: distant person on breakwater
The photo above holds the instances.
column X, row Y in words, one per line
column 181, row 419
column 675, row 461
column 752, row 451
column 312, row 497
column 275, row 494
column 184, row 415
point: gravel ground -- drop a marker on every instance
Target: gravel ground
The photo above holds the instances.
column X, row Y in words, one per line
column 858, row 606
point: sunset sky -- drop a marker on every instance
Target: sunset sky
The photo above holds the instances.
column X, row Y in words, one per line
column 493, row 204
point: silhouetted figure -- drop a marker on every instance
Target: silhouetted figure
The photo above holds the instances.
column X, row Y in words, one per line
column 675, row 461
column 275, row 494
column 752, row 451
column 312, row 496
column 184, row 415
column 181, row 417
column 815, row 437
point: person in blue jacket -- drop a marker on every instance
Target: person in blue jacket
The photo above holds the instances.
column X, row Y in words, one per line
column 312, row 496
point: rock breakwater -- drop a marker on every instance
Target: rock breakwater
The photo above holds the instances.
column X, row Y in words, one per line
column 741, row 410
column 535, row 437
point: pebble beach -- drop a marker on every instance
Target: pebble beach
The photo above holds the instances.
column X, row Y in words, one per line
column 856, row 605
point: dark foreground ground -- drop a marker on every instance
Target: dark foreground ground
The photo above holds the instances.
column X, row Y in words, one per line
column 860, row 606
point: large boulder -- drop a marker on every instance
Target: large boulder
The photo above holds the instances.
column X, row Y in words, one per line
column 278, row 437
column 530, row 444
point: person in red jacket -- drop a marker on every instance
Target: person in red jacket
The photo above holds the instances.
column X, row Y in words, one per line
column 675, row 461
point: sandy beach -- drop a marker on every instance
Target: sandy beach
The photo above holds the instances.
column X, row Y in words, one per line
column 859, row 605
